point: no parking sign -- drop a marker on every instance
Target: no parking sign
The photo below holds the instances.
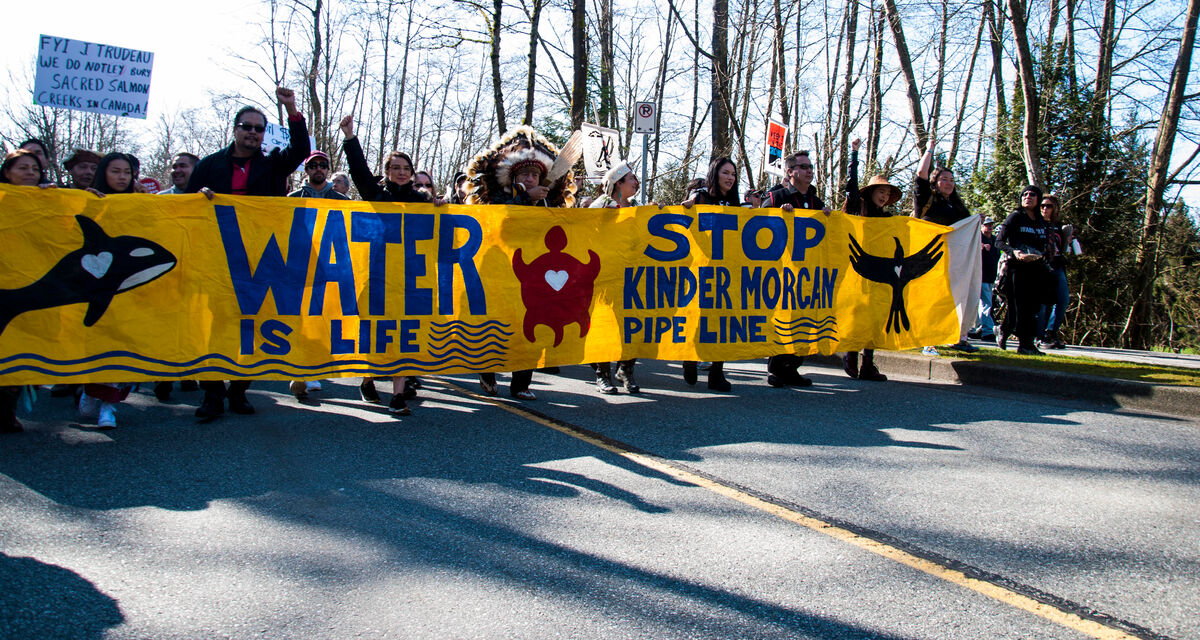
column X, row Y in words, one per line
column 645, row 118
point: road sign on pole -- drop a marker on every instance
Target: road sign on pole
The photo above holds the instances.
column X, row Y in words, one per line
column 645, row 118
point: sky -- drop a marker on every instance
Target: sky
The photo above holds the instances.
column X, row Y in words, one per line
column 189, row 40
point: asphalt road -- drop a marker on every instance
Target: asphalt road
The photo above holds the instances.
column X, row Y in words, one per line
column 846, row 510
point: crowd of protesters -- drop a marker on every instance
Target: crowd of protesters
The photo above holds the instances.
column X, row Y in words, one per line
column 1024, row 258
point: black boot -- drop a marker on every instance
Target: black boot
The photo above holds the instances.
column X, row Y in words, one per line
column 8, row 410
column 162, row 390
column 716, row 378
column 237, row 397
column 1027, row 348
column 869, row 371
column 625, row 376
column 850, row 364
column 212, row 406
column 689, row 372
column 604, row 378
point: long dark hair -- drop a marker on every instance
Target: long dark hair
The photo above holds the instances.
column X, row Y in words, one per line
column 387, row 160
column 1035, row 190
column 100, row 182
column 714, row 168
column 954, row 199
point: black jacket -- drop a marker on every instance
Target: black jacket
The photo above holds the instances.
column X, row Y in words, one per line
column 991, row 257
column 702, row 196
column 935, row 207
column 268, row 172
column 374, row 188
column 782, row 195
column 855, row 205
column 1019, row 231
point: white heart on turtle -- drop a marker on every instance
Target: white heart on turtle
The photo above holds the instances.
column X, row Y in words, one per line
column 97, row 264
column 556, row 279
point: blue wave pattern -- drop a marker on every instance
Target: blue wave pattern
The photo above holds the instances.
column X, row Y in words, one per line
column 473, row 347
column 805, row 330
column 470, row 342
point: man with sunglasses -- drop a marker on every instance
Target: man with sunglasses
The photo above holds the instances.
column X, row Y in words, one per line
column 243, row 169
column 796, row 192
column 316, row 167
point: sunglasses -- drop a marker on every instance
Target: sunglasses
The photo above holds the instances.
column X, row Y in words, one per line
column 804, row 166
column 422, row 185
column 246, row 126
column 1047, row 205
column 317, row 165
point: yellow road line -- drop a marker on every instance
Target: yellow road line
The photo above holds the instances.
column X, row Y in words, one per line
column 1007, row 596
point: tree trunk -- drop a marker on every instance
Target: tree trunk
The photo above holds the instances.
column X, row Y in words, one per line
column 314, row 69
column 659, row 94
column 935, row 115
column 608, row 114
column 910, row 80
column 1104, row 60
column 996, row 37
column 579, row 47
column 720, row 79
column 386, row 18
column 1029, row 131
column 497, row 90
column 875, row 111
column 533, row 45
column 1138, row 330
column 847, row 89
column 966, row 92
column 781, row 70
column 1069, row 43
column 746, row 95
column 693, row 124
column 987, row 102
column 403, row 85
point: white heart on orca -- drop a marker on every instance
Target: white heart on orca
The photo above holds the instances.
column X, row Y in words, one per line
column 556, row 279
column 97, row 264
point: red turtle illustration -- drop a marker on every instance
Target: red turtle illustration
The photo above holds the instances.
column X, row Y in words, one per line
column 556, row 287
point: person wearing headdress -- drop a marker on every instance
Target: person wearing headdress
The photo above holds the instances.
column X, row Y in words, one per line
column 519, row 169
column 872, row 201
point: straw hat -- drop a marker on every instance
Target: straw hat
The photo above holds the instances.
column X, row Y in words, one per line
column 878, row 182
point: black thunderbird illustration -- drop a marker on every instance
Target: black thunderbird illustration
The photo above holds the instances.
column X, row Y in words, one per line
column 896, row 271
column 96, row 272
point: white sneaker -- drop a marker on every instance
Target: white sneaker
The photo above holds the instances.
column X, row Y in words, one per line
column 108, row 416
column 313, row 385
column 88, row 405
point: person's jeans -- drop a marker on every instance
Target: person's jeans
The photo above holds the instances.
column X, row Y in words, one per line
column 1052, row 316
column 985, row 324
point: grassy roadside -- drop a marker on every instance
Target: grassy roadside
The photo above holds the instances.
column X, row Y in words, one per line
column 1081, row 364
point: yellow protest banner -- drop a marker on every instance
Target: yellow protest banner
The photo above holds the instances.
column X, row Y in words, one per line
column 140, row 287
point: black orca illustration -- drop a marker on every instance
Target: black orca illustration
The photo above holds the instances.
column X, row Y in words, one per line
column 94, row 273
column 896, row 271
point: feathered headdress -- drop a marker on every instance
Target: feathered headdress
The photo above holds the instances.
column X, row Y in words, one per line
column 491, row 171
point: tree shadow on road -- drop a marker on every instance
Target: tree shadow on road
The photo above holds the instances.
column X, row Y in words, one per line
column 40, row 600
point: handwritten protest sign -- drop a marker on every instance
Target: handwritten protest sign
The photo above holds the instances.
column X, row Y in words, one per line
column 776, row 134
column 86, row 76
column 140, row 287
column 278, row 137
